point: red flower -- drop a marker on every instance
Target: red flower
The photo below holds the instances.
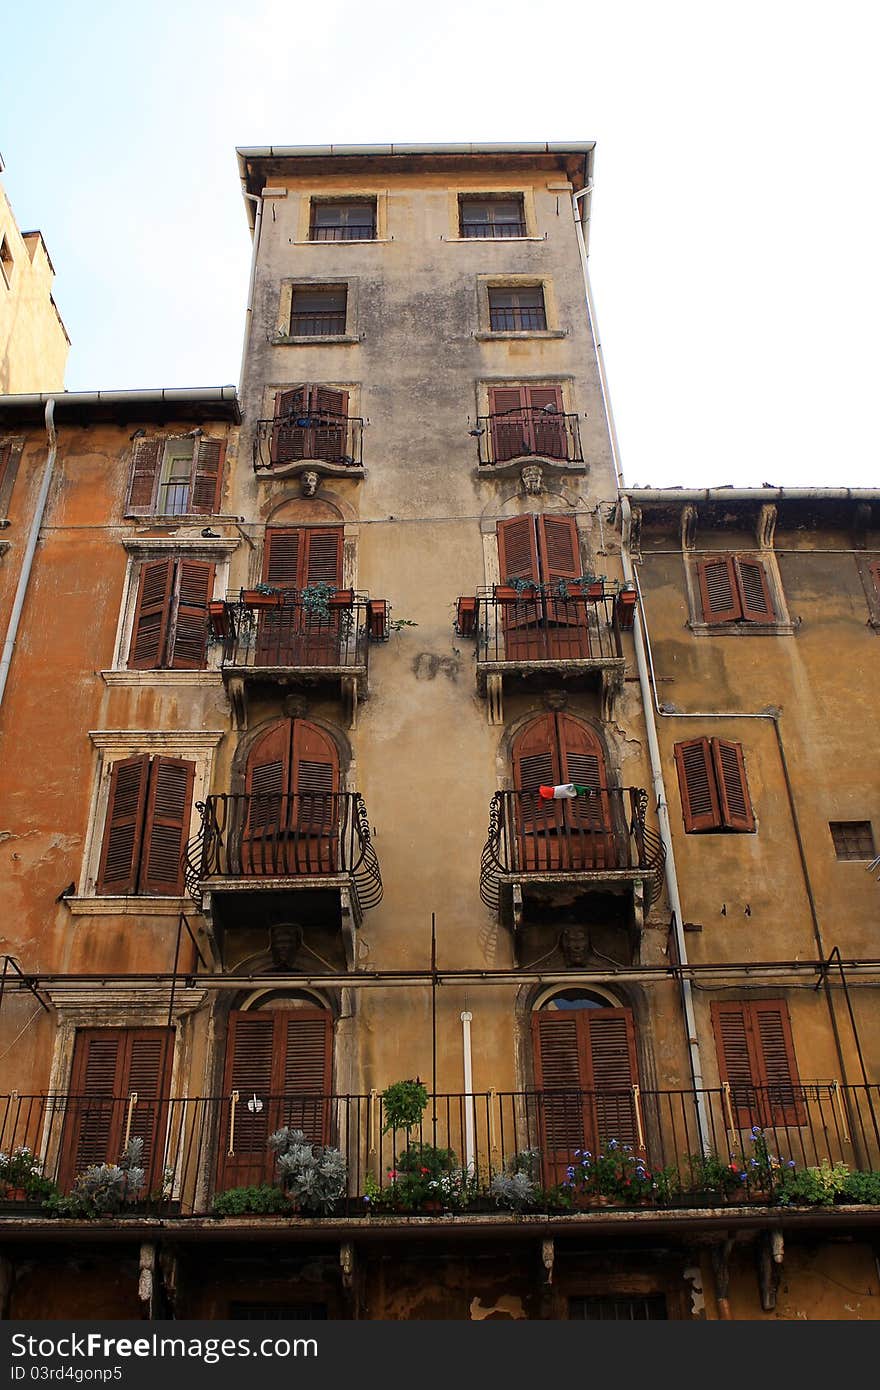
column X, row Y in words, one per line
column 423, row 1170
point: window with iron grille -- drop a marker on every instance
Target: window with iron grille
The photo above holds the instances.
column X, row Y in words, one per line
column 619, row 1308
column 175, row 477
column 343, row 220
column 853, row 839
column 278, row 1312
column 517, row 309
column 713, row 786
column 491, row 218
column 318, row 313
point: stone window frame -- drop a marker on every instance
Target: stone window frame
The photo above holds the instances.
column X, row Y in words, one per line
column 378, row 196
column 783, row 626
column 140, row 551
column 485, row 332
column 283, row 335
column 454, row 199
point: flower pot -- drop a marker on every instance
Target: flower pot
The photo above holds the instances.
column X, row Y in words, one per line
column 506, row 593
column 254, row 599
column 466, row 616
column 218, row 619
column 626, row 608
column 377, row 619
column 343, row 598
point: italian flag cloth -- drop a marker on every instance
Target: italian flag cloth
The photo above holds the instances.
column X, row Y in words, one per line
column 566, row 790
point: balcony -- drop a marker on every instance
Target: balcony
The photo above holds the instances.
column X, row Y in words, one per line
column 282, row 638
column 567, row 631
column 539, row 852
column 322, row 442
column 256, row 850
column 529, row 434
column 196, row 1147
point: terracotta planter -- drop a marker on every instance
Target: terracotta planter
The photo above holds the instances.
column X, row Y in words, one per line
column 377, row 619
column 505, row 593
column 254, row 599
column 466, row 617
column 626, row 607
column 343, row 598
column 218, row 619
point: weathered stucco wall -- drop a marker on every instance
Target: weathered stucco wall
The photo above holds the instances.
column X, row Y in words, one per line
column 33, row 341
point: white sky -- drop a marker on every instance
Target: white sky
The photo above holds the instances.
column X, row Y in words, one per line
column 735, row 220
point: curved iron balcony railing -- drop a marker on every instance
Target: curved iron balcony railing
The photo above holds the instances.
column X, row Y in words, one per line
column 553, row 623
column 318, row 436
column 604, row 833
column 297, row 836
column 530, row 430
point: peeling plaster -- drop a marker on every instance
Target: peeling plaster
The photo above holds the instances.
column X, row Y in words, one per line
column 507, row 1306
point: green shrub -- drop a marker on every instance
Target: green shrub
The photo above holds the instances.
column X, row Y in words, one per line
column 252, row 1201
column 813, row 1186
column 861, row 1187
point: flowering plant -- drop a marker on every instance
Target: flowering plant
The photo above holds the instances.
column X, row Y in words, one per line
column 22, row 1171
column 423, row 1175
column 764, row 1170
column 615, row 1171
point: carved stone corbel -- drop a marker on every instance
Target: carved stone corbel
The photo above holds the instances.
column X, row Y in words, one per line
column 771, row 1253
column 548, row 1257
column 238, row 700
column 532, row 475
column 146, row 1279
column 689, row 518
column 494, row 698
column 765, row 526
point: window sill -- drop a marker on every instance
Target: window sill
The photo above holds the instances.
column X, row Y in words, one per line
column 179, row 518
column 493, row 240
column 173, row 678
column 503, row 334
column 343, row 241
column 744, row 629
column 313, row 339
column 127, row 907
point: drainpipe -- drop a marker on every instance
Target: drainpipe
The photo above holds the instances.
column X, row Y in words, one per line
column 469, row 1146
column 249, row 311
column 30, row 548
column 687, row 1000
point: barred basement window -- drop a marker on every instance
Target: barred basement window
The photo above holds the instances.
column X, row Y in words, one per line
column 619, row 1308
column 853, row 839
column 713, row 786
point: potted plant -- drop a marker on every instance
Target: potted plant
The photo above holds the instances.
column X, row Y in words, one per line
column 517, row 1188
column 21, row 1179
column 265, row 1200
column 517, row 590
column 218, row 618
column 403, row 1105
column 625, row 606
column 262, row 596
column 312, row 1176
column 105, row 1189
column 466, row 616
column 614, row 1175
column 377, row 619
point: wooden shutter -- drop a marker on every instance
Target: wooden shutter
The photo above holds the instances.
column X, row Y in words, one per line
column 756, row 1057
column 719, row 590
column 547, row 429
column 754, row 591
column 195, row 585
column 250, row 1061
column 518, row 549
column 322, row 562
column 307, row 1072
column 330, row 435
column 152, row 615
column 315, row 781
column 145, row 458
column 563, row 1107
column 281, row 557
column 120, row 851
column 5, row 459
column 558, row 547
column 108, row 1065
column 537, row 822
column 588, row 820
column 613, row 1073
column 10, row 455
column 207, row 476
column 166, row 826
column 733, row 790
column 269, row 809
column 289, row 439
column 697, row 785
column 510, row 435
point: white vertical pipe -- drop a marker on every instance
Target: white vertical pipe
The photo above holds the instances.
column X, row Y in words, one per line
column 469, row 1148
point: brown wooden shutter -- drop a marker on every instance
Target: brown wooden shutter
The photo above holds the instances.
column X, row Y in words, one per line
column 250, row 1063
column 697, row 785
column 719, row 590
column 510, row 434
column 268, row 768
column 330, row 435
column 148, row 1058
column 558, row 548
column 269, row 809
column 754, row 590
column 123, row 828
column 207, row 476
column 145, row 459
column 563, row 1107
column 315, row 780
column 152, row 615
column 307, row 1072
column 733, row 790
column 281, row 557
column 756, row 1057
column 166, row 826
column 588, row 820
column 614, row 1072
column 5, row 459
column 737, row 1062
column 322, row 562
column 10, row 456
column 288, row 439
column 195, row 585
column 537, row 822
column 548, row 427
column 772, row 1031
column 518, row 549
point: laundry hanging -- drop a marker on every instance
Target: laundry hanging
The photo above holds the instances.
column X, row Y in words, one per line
column 560, row 793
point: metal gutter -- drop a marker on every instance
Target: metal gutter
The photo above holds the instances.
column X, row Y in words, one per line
column 641, row 495
column 224, row 399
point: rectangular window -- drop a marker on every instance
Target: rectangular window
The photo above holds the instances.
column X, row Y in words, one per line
column 170, row 628
column 492, row 217
column 517, row 310
column 756, row 1060
column 853, row 839
column 619, row 1308
column 175, row 477
column 10, row 453
column 713, row 786
column 145, row 833
column 310, row 422
column 343, row 221
column 527, row 420
column 735, row 589
column 318, row 313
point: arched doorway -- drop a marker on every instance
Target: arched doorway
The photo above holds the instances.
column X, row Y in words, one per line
column 584, row 1047
column 297, row 558
column 292, row 786
column 278, row 1071
column 566, row 833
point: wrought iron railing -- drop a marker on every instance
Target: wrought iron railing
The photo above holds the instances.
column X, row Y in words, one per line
column 297, row 836
column 311, row 323
column 355, row 231
column 292, row 635
column 318, row 435
column 196, row 1147
column 546, row 623
column 600, row 831
column 530, row 431
column 492, row 231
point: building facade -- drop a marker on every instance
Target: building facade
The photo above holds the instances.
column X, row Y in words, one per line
column 33, row 340
column 351, row 783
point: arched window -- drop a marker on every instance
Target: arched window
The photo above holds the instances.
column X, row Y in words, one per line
column 585, row 1071
column 279, row 1059
column 574, row 833
column 292, row 784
